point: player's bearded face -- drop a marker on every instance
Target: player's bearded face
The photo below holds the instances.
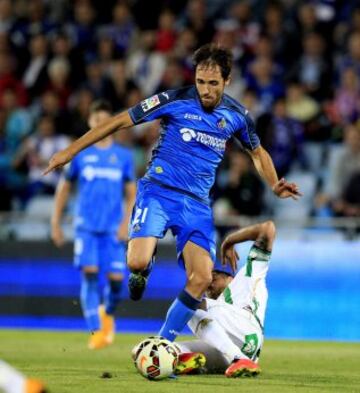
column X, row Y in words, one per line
column 210, row 85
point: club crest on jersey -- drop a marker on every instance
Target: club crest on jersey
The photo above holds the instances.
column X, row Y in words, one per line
column 221, row 123
column 113, row 159
column 150, row 103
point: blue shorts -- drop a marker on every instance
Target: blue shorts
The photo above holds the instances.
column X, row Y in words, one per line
column 158, row 209
column 103, row 250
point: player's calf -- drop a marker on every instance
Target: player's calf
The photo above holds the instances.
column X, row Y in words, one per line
column 138, row 280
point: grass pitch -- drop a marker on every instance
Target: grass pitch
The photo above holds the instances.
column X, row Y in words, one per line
column 67, row 366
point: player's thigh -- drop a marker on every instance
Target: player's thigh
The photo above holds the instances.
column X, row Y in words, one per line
column 112, row 255
column 86, row 256
column 195, row 227
column 150, row 215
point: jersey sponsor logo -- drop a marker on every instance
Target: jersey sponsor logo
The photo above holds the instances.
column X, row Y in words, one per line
column 90, row 173
column 187, row 134
column 150, row 103
column 192, row 116
column 216, row 143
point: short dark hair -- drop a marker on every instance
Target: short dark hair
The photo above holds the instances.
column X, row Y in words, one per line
column 100, row 105
column 213, row 54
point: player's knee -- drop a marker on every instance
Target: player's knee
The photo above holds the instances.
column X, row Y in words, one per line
column 90, row 270
column 269, row 229
column 137, row 263
column 201, row 280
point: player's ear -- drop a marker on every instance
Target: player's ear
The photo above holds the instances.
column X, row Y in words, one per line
column 228, row 80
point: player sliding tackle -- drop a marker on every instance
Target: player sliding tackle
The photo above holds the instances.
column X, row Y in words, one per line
column 197, row 121
column 230, row 320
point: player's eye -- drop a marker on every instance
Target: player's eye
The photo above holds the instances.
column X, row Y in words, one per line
column 214, row 83
column 200, row 82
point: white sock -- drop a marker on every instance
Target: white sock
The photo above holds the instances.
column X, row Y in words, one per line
column 210, row 331
column 11, row 380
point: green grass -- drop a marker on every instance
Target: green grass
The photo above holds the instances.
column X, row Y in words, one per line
column 64, row 362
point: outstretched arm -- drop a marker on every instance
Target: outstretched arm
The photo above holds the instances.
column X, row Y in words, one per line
column 265, row 167
column 121, row 120
column 263, row 234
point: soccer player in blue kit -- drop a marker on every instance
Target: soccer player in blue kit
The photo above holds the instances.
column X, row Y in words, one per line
column 104, row 174
column 196, row 123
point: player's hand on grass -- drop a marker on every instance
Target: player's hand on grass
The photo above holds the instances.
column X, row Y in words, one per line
column 283, row 189
column 229, row 255
column 57, row 235
column 58, row 160
column 122, row 233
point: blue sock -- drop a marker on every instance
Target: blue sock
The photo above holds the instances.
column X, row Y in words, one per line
column 178, row 315
column 90, row 300
column 112, row 295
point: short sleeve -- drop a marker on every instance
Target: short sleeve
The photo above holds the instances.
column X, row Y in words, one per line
column 154, row 107
column 246, row 133
column 71, row 172
column 129, row 169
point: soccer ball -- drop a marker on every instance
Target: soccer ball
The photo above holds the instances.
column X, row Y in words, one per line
column 155, row 357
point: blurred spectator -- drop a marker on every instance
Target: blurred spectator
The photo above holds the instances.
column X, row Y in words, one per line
column 122, row 84
column 82, row 30
column 196, row 19
column 247, row 30
column 106, row 54
column 282, row 137
column 122, row 31
column 312, row 69
column 35, row 22
column 5, row 167
column 261, row 78
column 352, row 58
column 243, row 188
column 341, row 190
column 36, row 152
column 58, row 71
column 18, row 120
column 6, row 16
column 281, row 34
column 299, row 105
column 80, row 104
column 49, row 104
column 166, row 33
column 35, row 74
column 98, row 83
column 347, row 97
column 62, row 47
column 8, row 80
column 145, row 66
column 173, row 77
column 183, row 51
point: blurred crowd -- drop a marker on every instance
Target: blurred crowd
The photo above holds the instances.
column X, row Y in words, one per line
column 296, row 68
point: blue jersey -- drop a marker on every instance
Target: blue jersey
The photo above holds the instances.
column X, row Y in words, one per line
column 101, row 174
column 192, row 141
